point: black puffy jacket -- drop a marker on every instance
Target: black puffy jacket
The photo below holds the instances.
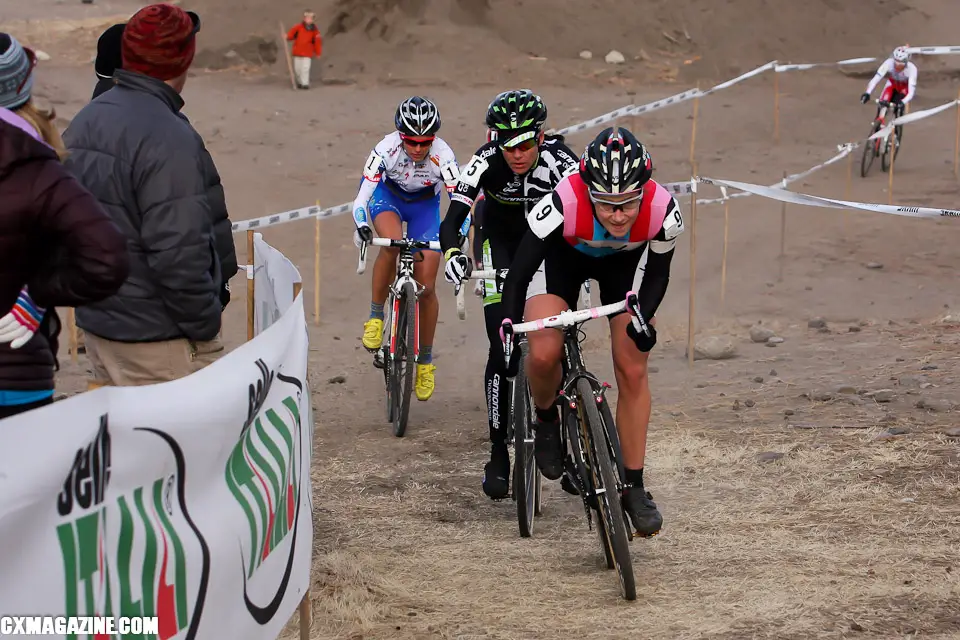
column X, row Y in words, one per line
column 147, row 166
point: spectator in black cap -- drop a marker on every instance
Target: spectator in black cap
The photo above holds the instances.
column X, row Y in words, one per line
column 108, row 59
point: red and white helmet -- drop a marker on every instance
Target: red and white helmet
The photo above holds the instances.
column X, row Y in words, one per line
column 901, row 55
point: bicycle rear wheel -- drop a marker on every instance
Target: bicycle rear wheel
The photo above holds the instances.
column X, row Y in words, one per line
column 609, row 508
column 526, row 478
column 404, row 360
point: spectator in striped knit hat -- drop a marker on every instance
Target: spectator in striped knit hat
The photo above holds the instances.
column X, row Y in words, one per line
column 58, row 246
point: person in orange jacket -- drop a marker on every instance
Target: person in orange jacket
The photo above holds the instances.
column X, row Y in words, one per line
column 307, row 44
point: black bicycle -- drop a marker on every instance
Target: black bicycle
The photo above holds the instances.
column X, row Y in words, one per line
column 594, row 462
column 882, row 146
column 526, row 485
column 398, row 351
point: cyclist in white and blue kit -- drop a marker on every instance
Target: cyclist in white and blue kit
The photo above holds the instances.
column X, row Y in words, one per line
column 401, row 184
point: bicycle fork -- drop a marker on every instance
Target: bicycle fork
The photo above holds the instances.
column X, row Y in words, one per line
column 396, row 291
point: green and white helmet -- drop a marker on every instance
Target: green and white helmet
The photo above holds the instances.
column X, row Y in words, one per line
column 516, row 116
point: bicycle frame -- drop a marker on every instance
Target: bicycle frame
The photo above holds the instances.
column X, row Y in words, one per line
column 570, row 322
column 405, row 263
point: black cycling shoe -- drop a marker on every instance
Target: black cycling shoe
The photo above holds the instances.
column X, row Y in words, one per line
column 548, row 449
column 642, row 510
column 496, row 473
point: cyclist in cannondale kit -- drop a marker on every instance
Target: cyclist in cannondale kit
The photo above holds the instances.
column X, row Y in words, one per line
column 515, row 170
column 596, row 225
column 401, row 183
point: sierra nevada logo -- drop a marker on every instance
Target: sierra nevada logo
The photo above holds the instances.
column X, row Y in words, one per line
column 138, row 554
column 264, row 473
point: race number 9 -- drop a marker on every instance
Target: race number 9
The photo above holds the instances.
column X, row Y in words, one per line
column 544, row 217
column 673, row 225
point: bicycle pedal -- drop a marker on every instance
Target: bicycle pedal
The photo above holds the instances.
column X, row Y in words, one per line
column 643, row 537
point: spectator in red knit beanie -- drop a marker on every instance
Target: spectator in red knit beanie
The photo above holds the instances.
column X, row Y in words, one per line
column 138, row 154
column 160, row 41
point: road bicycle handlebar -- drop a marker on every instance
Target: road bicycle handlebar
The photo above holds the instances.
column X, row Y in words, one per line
column 404, row 243
column 570, row 318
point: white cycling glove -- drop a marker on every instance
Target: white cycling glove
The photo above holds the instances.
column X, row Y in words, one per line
column 457, row 266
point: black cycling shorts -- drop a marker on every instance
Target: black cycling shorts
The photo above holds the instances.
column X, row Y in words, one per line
column 565, row 270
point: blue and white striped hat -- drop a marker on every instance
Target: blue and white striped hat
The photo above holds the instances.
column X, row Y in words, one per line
column 16, row 72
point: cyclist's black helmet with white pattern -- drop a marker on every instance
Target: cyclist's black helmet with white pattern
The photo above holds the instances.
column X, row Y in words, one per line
column 417, row 116
column 516, row 112
column 615, row 162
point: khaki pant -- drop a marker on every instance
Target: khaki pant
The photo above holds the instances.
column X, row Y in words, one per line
column 301, row 68
column 132, row 364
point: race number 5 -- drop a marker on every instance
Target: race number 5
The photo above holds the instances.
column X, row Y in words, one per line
column 471, row 175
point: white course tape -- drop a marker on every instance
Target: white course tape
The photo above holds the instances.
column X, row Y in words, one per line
column 741, row 78
column 817, row 201
column 845, row 150
column 290, row 216
column 630, row 110
column 911, row 117
column 780, row 68
column 934, row 51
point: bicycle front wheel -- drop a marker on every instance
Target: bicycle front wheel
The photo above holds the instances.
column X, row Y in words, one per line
column 609, row 508
column 404, row 362
column 869, row 152
column 526, row 478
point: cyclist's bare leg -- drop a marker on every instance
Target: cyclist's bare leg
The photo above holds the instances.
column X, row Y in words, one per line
column 544, row 372
column 633, row 418
column 545, row 350
column 633, row 393
column 426, row 274
column 388, row 225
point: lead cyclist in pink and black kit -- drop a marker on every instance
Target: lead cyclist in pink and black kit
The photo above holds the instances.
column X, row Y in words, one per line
column 901, row 76
column 597, row 224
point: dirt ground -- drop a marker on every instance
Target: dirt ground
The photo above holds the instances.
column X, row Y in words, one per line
column 809, row 489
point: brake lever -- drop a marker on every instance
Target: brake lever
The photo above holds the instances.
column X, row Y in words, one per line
column 633, row 306
column 362, row 262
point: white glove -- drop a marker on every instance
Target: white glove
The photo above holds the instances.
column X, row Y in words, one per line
column 362, row 235
column 457, row 266
column 18, row 326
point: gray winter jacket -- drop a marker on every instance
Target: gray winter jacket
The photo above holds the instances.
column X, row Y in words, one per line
column 148, row 167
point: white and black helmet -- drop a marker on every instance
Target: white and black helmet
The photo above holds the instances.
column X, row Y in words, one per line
column 615, row 162
column 417, row 116
column 901, row 55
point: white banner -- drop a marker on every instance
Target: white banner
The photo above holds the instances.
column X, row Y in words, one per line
column 817, row 201
column 273, row 279
column 189, row 500
column 911, row 117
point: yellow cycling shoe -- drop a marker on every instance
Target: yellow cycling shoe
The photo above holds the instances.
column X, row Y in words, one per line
column 425, row 383
column 373, row 333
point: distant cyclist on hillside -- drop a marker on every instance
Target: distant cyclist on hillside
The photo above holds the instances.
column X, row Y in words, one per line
column 596, row 225
column 901, row 76
column 401, row 183
column 515, row 169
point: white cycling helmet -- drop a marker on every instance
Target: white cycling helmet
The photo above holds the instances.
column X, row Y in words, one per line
column 901, row 55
